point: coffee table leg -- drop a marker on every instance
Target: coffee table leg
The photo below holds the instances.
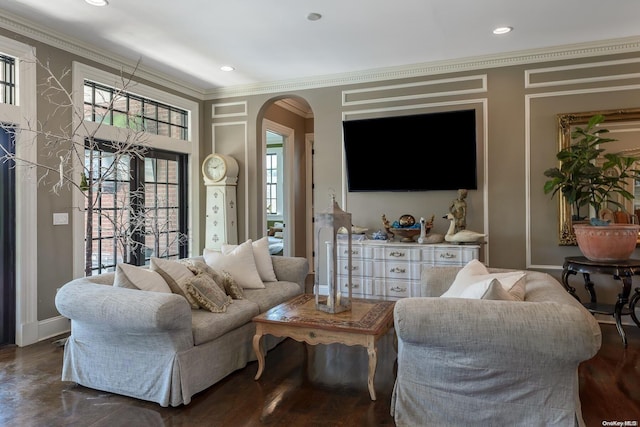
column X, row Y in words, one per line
column 257, row 347
column 373, row 361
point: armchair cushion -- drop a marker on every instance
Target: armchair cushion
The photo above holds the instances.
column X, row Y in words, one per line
column 490, row 289
column 474, row 272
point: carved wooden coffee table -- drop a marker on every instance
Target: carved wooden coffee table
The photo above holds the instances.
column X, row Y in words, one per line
column 364, row 325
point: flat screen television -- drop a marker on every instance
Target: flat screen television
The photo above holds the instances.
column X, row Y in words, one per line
column 434, row 151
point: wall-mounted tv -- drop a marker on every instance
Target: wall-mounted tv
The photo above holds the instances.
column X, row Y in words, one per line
column 435, row 151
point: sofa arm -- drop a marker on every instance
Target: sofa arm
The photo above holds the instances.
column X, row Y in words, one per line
column 291, row 269
column 506, row 332
column 114, row 308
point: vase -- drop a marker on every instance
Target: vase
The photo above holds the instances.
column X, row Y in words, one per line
column 610, row 243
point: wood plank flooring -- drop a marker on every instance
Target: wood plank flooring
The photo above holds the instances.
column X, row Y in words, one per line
column 301, row 386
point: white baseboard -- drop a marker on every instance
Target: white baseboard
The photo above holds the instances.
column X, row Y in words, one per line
column 26, row 334
column 52, row 327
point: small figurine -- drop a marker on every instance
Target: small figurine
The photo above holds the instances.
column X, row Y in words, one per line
column 458, row 209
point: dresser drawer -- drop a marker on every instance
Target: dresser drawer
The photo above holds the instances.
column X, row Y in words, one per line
column 396, row 288
column 397, row 253
column 454, row 256
column 396, row 270
column 358, row 267
column 360, row 287
column 357, row 251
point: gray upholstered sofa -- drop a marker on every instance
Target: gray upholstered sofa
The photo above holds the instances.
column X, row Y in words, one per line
column 465, row 362
column 153, row 346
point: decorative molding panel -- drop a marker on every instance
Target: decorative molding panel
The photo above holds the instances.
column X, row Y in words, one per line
column 589, row 73
column 527, row 162
column 466, row 85
column 229, row 109
column 483, row 104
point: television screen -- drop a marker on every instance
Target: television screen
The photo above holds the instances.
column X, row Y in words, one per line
column 435, row 151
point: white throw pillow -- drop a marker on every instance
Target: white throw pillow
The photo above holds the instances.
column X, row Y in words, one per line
column 489, row 289
column 130, row 276
column 513, row 282
column 239, row 263
column 262, row 258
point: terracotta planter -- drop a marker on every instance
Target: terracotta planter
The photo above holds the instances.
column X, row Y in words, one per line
column 610, row 243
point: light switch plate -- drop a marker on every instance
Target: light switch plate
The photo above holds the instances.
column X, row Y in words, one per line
column 60, row 218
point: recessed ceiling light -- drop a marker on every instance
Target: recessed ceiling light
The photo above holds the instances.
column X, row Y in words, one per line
column 227, row 68
column 97, row 2
column 314, row 16
column 502, row 30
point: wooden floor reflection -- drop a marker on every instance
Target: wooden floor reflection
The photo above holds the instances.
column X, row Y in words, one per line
column 302, row 385
column 324, row 385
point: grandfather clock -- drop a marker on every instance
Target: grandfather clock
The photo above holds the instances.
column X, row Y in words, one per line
column 220, row 173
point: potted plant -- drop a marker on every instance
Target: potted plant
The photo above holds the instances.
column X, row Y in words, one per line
column 589, row 176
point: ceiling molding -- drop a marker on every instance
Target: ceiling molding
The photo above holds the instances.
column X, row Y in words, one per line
column 29, row 29
column 565, row 52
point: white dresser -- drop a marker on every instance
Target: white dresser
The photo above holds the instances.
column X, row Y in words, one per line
column 391, row 270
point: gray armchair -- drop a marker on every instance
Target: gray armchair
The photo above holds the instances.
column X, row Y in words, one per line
column 493, row 363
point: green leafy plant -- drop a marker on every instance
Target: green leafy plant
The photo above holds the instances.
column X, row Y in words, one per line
column 587, row 174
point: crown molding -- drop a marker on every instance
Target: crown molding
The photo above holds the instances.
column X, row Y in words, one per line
column 557, row 53
column 45, row 35
column 564, row 52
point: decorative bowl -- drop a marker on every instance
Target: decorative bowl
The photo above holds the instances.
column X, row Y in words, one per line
column 406, row 234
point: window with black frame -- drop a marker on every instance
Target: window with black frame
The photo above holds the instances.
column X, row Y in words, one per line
column 7, row 80
column 139, row 207
column 111, row 106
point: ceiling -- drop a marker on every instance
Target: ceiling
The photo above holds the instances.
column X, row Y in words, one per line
column 272, row 40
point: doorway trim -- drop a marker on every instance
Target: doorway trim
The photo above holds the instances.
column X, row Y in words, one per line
column 288, row 135
column 22, row 115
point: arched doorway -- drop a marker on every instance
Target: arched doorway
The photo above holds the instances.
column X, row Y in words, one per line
column 286, row 147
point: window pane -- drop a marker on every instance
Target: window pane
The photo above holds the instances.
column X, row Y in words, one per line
column 172, row 172
column 149, row 170
column 163, row 129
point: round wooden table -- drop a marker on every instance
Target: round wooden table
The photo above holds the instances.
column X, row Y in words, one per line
column 620, row 270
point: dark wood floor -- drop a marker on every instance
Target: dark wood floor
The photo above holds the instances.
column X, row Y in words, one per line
column 301, row 386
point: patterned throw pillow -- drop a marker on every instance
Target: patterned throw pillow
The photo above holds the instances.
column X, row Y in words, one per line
column 222, row 279
column 208, row 294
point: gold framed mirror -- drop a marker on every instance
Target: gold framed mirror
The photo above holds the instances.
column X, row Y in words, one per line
column 623, row 125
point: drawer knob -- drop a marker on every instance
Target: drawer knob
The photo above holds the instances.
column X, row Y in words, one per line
column 447, row 255
column 398, row 270
column 354, row 268
column 353, row 251
column 353, row 285
column 398, row 289
column 397, row 254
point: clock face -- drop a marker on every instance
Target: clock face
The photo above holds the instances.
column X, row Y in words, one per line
column 215, row 168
